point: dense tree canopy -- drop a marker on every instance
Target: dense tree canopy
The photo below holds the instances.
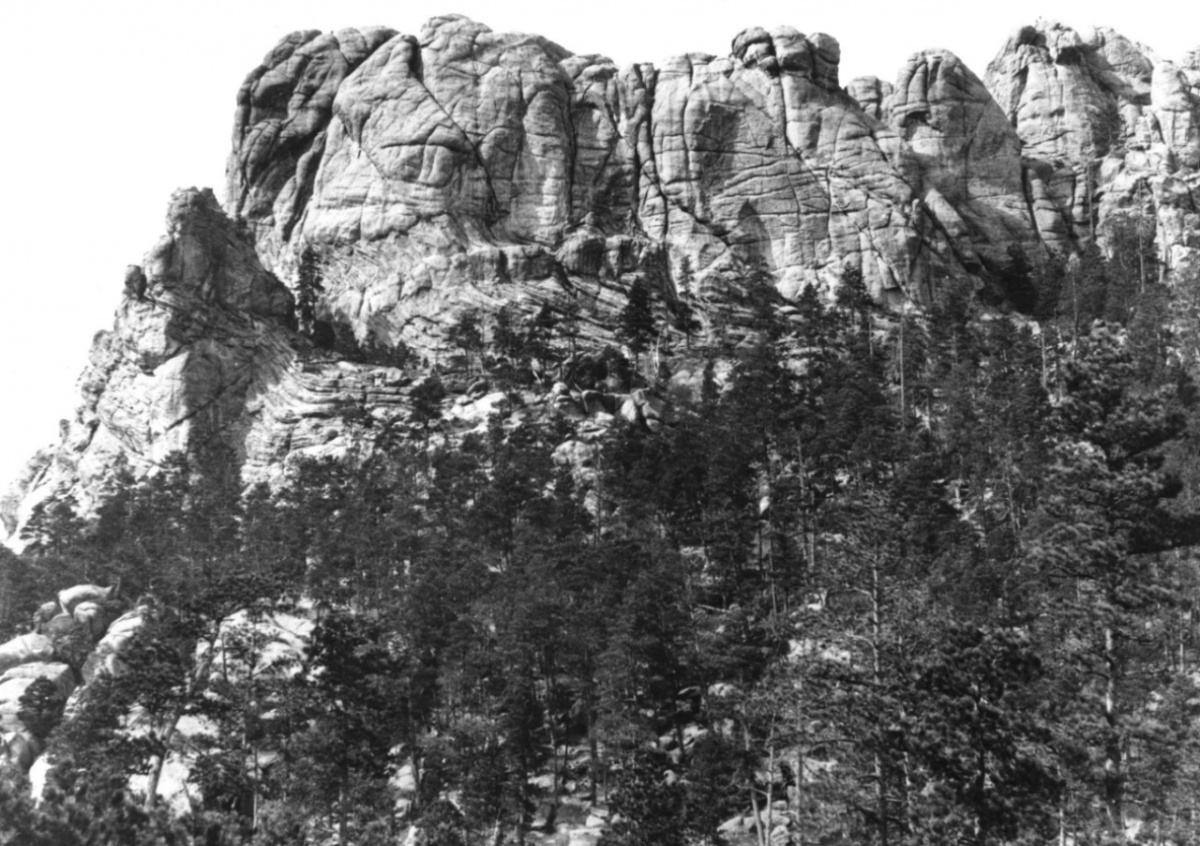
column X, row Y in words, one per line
column 918, row 577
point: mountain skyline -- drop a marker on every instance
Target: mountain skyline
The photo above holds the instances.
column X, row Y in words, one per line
column 131, row 102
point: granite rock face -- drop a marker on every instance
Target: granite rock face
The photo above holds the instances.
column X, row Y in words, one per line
column 958, row 150
column 199, row 333
column 452, row 163
column 1111, row 134
column 202, row 360
column 460, row 168
column 283, row 109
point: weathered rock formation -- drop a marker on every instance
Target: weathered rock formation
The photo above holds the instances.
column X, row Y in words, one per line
column 462, row 158
column 957, row 149
column 197, row 336
column 91, row 615
column 80, row 615
column 465, row 169
column 1111, row 134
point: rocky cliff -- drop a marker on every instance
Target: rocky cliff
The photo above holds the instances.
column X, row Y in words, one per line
column 1109, row 132
column 461, row 168
column 463, row 158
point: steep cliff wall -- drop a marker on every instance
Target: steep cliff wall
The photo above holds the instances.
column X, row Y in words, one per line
column 1111, row 133
column 477, row 152
column 461, row 168
column 957, row 149
column 459, row 160
column 199, row 333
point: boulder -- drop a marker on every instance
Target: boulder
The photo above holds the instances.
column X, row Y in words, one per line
column 58, row 673
column 38, row 773
column 22, row 749
column 64, row 626
column 72, row 596
column 630, row 410
column 25, row 649
column 94, row 616
column 45, row 613
column 105, row 658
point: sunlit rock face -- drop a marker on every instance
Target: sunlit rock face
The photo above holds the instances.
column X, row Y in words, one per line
column 199, row 333
column 459, row 167
column 458, row 161
column 1110, row 133
column 957, row 149
column 462, row 169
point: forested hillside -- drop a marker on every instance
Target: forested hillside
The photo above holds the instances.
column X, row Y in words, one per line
column 839, row 575
column 532, row 451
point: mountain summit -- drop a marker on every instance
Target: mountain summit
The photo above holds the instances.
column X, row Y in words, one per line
column 450, row 173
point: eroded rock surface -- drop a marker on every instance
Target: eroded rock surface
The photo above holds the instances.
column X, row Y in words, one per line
column 188, row 350
column 40, row 655
column 462, row 169
column 461, row 157
column 957, row 149
column 1110, row 133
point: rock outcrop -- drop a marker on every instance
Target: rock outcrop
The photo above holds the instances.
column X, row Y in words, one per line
column 39, row 655
column 462, row 158
column 957, row 149
column 442, row 170
column 264, row 644
column 192, row 344
column 462, row 169
column 1111, row 134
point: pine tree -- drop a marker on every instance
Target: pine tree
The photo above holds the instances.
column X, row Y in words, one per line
column 41, row 708
column 979, row 752
column 354, row 714
column 309, row 284
column 651, row 808
column 1102, row 518
column 1017, row 280
column 466, row 333
column 636, row 324
column 683, row 315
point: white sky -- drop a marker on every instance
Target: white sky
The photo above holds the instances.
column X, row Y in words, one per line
column 110, row 106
